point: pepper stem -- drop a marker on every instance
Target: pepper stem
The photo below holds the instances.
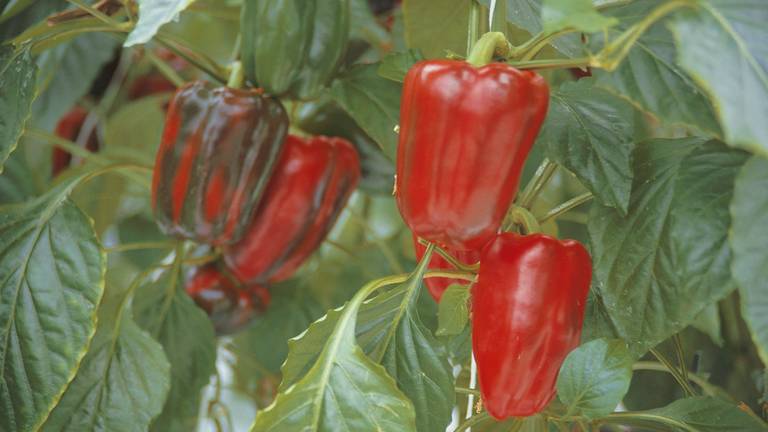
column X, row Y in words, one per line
column 489, row 45
column 520, row 216
column 235, row 75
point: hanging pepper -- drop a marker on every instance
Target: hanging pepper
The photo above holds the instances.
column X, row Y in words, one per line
column 69, row 128
column 229, row 306
column 527, row 311
column 437, row 286
column 294, row 46
column 218, row 151
column 310, row 186
column 325, row 117
column 465, row 133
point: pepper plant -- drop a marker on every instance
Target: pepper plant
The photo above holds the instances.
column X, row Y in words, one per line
column 371, row 215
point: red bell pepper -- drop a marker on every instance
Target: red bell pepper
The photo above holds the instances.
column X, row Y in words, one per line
column 527, row 311
column 464, row 135
column 312, row 182
column 437, row 286
column 230, row 306
column 218, row 150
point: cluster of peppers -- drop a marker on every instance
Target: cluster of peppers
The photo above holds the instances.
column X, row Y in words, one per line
column 465, row 131
column 227, row 174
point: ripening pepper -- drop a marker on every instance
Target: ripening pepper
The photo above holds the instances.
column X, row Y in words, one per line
column 308, row 190
column 527, row 311
column 69, row 127
column 465, row 133
column 218, row 150
column 437, row 286
column 294, row 47
column 230, row 307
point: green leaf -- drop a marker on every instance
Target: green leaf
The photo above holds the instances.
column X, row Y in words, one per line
column 704, row 414
column 434, row 26
column 152, row 15
column 590, row 131
column 373, row 102
column 452, row 311
column 365, row 26
column 66, row 73
column 391, row 331
column 526, row 14
column 169, row 315
column 749, row 238
column 660, row 265
column 578, row 15
column 16, row 183
column 122, row 382
column 708, row 322
column 52, row 273
column 17, row 90
column 341, row 385
column 723, row 44
column 394, row 66
column 650, row 77
column 595, row 377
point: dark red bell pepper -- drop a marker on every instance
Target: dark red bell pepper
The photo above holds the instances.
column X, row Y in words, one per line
column 69, row 128
column 437, row 286
column 218, row 150
column 465, row 132
column 231, row 307
column 308, row 190
column 527, row 310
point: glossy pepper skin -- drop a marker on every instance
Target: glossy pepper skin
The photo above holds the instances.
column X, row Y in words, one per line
column 294, row 46
column 218, row 150
column 69, row 127
column 527, row 310
column 229, row 306
column 464, row 135
column 308, row 190
column 437, row 286
column 325, row 117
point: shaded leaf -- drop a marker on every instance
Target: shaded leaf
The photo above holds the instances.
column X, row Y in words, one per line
column 394, row 66
column 574, row 14
column 706, row 414
column 17, row 90
column 434, row 26
column 453, row 311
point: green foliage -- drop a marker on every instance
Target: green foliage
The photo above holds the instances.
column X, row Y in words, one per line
column 453, row 311
column 52, row 273
column 576, row 14
column 595, row 377
column 153, row 15
column 17, row 90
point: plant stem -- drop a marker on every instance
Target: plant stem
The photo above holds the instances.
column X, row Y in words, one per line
column 140, row 246
column 452, row 274
column 165, row 69
column 95, row 13
column 196, row 59
column 467, row 391
column 520, row 216
column 673, row 370
column 554, row 63
column 489, row 45
column 236, row 75
column 567, row 206
column 537, row 183
column 709, row 388
column 473, row 31
column 451, row 259
column 653, row 418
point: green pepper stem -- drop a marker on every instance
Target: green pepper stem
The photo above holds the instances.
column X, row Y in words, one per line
column 489, row 45
column 235, row 75
column 520, row 216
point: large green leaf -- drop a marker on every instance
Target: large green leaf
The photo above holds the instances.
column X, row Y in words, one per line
column 342, row 386
column 17, row 90
column 152, row 15
column 52, row 273
column 749, row 238
column 701, row 414
column 16, row 183
column 453, row 310
column 123, row 381
column 595, row 377
column 723, row 44
column 660, row 265
column 590, row 131
column 66, row 73
column 573, row 14
column 395, row 66
column 24, row 13
column 373, row 102
column 166, row 312
column 391, row 332
column 434, row 26
column 651, row 78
